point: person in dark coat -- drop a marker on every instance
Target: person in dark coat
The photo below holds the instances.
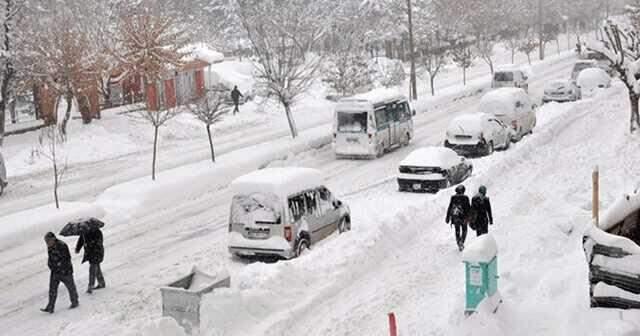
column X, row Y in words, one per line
column 481, row 216
column 458, row 213
column 61, row 271
column 94, row 254
column 235, row 96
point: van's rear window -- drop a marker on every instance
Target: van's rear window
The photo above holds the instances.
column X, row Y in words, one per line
column 352, row 122
column 503, row 76
column 257, row 207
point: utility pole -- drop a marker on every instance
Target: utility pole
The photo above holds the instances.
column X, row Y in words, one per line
column 540, row 31
column 412, row 55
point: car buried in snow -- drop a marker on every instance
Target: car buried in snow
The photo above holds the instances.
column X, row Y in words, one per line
column 513, row 107
column 561, row 91
column 477, row 134
column 3, row 175
column 430, row 169
column 281, row 212
column 591, row 80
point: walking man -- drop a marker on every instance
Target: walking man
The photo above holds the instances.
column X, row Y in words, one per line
column 94, row 254
column 61, row 271
column 457, row 214
column 235, row 96
column 481, row 212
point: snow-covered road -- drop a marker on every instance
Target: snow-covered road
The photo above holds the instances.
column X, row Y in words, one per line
column 145, row 254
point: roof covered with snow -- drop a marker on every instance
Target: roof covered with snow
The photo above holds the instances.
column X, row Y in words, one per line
column 431, row 157
column 202, row 52
column 469, row 124
column 502, row 100
column 281, row 182
column 620, row 209
column 482, row 249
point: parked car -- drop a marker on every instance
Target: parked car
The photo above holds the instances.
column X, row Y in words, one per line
column 581, row 65
column 510, row 77
column 561, row 91
column 3, row 175
column 513, row 107
column 477, row 134
column 280, row 212
column 430, row 169
column 593, row 79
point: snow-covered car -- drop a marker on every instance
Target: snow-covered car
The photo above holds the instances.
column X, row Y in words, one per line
column 601, row 60
column 510, row 77
column 561, row 91
column 430, row 169
column 280, row 212
column 477, row 134
column 592, row 79
column 3, row 175
column 581, row 65
column 513, row 107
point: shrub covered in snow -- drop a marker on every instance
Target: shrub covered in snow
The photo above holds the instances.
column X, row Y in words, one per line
column 387, row 72
column 348, row 74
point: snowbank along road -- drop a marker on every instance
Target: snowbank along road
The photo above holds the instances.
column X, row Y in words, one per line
column 143, row 255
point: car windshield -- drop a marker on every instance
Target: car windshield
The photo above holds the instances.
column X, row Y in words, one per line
column 256, row 208
column 352, row 122
column 503, row 76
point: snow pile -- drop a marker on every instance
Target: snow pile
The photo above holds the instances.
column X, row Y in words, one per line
column 232, row 73
column 620, row 209
column 165, row 326
column 141, row 196
column 22, row 226
column 482, row 250
column 593, row 78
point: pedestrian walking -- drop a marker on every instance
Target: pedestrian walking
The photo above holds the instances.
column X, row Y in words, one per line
column 91, row 240
column 61, row 271
column 481, row 216
column 235, row 97
column 458, row 214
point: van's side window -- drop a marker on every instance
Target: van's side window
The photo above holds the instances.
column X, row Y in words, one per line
column 381, row 117
column 297, row 207
column 325, row 200
column 311, row 200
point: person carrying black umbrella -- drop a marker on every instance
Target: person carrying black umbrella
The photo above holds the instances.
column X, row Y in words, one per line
column 61, row 271
column 91, row 239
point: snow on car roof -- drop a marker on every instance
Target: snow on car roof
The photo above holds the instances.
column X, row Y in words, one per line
column 467, row 123
column 281, row 182
column 620, row 209
column 482, row 249
column 374, row 97
column 593, row 75
column 502, row 100
column 431, row 157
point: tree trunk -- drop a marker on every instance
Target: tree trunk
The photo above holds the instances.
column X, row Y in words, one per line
column 67, row 115
column 513, row 56
column 12, row 110
column 155, row 152
column 431, row 81
column 292, row 122
column 558, row 44
column 464, row 76
column 8, row 71
column 213, row 153
column 634, row 121
column 412, row 56
column 529, row 58
column 55, row 181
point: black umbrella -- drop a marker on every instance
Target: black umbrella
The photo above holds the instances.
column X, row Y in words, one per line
column 80, row 226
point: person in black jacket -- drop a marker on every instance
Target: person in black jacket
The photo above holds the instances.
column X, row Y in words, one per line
column 61, row 271
column 94, row 254
column 457, row 214
column 481, row 216
column 235, row 97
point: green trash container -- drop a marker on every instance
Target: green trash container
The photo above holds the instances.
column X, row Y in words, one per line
column 481, row 272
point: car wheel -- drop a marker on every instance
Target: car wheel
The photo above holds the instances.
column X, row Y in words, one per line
column 490, row 148
column 507, row 143
column 344, row 225
column 302, row 247
column 379, row 151
column 1, row 188
column 406, row 140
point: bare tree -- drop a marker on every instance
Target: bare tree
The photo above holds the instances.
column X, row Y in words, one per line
column 282, row 36
column 622, row 49
column 49, row 140
column 462, row 56
column 157, row 119
column 528, row 44
column 434, row 57
column 210, row 109
column 484, row 50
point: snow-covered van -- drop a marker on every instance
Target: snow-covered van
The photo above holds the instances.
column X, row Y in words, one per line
column 280, row 212
column 367, row 127
column 513, row 107
column 3, row 175
column 510, row 76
